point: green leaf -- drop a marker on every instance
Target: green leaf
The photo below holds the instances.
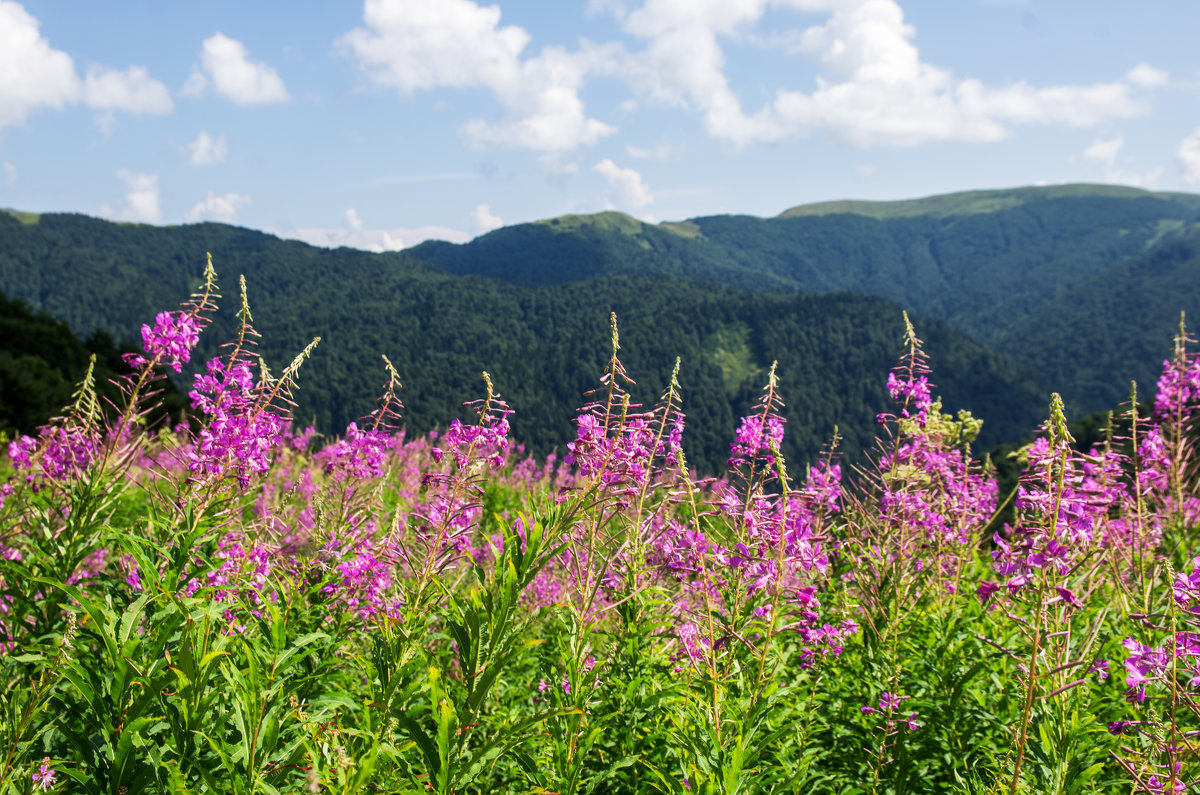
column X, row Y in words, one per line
column 132, row 613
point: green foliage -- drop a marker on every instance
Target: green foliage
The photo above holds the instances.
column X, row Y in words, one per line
column 537, row 342
column 1079, row 283
column 41, row 360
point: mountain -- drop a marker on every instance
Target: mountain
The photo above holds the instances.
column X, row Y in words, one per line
column 543, row 345
column 1003, row 266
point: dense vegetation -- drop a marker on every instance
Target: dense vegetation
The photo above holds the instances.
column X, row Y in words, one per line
column 235, row 608
column 1030, row 272
column 42, row 362
column 537, row 343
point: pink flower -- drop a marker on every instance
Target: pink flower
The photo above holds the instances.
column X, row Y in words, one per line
column 44, row 778
column 171, row 340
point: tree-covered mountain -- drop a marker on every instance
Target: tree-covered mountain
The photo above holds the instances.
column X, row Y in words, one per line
column 1004, row 266
column 544, row 346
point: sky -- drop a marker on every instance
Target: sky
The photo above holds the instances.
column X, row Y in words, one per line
column 385, row 123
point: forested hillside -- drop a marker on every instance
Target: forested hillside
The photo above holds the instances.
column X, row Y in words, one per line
column 544, row 346
column 1004, row 267
column 42, row 361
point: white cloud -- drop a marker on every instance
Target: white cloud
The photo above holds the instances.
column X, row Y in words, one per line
column 414, row 45
column 10, row 173
column 485, row 220
column 1188, row 156
column 225, row 63
column 1147, row 76
column 143, row 203
column 874, row 88
column 133, row 91
column 222, row 208
column 628, row 188
column 34, row 75
column 206, row 150
column 1104, row 150
column 353, row 221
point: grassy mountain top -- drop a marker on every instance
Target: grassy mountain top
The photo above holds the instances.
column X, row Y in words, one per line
column 23, row 217
column 610, row 220
column 978, row 201
column 617, row 222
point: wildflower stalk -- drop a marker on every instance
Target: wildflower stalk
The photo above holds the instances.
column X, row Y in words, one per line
column 1060, row 439
column 196, row 313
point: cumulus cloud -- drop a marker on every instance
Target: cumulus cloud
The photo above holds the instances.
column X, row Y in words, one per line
column 143, row 202
column 1188, row 156
column 485, row 220
column 629, row 191
column 225, row 65
column 34, row 75
column 207, row 150
column 1146, row 75
column 874, row 88
column 1104, row 150
column 133, row 91
column 415, row 45
column 223, row 208
column 353, row 222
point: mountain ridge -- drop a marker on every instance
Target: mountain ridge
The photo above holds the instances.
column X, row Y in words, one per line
column 544, row 346
column 986, row 262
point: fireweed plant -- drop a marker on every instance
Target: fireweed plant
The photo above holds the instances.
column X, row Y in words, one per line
column 236, row 605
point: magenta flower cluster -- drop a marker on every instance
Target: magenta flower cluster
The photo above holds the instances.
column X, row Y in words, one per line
column 618, row 454
column 756, row 436
column 59, row 453
column 359, row 455
column 170, row 342
column 243, row 428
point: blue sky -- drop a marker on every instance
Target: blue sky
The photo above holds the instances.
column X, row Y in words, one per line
column 381, row 124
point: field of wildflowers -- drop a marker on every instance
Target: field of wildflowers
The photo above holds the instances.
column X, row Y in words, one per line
column 238, row 606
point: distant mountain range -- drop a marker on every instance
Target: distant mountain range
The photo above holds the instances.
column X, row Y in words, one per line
column 1073, row 288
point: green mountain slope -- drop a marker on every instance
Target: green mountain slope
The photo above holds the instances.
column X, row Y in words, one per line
column 1114, row 327
column 989, row 263
column 544, row 346
column 978, row 201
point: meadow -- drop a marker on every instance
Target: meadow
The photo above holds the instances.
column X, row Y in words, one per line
column 237, row 605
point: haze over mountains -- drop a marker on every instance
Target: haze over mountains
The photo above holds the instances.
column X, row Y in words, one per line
column 1074, row 288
